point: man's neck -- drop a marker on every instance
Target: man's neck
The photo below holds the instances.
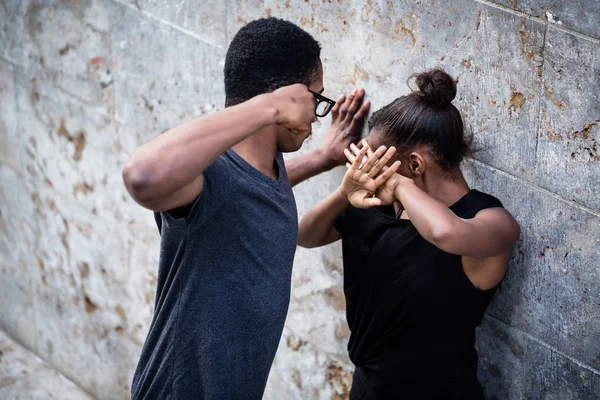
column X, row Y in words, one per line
column 259, row 151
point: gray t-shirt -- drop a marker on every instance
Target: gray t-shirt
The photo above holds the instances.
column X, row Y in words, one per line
column 223, row 287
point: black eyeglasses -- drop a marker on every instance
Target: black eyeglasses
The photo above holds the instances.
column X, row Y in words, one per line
column 323, row 104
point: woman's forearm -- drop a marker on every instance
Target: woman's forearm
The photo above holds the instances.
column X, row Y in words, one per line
column 317, row 227
column 432, row 218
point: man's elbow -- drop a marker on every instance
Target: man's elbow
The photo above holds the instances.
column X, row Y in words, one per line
column 138, row 181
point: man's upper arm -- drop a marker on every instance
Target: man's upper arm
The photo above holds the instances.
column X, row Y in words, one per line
column 205, row 197
column 179, row 200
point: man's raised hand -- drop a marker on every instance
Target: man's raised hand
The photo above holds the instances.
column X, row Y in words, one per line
column 295, row 108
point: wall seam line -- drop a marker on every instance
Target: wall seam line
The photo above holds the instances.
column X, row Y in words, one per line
column 539, row 20
column 169, row 24
column 535, row 187
column 541, row 93
column 544, row 344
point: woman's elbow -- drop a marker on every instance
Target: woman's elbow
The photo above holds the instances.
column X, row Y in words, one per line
column 303, row 240
column 439, row 235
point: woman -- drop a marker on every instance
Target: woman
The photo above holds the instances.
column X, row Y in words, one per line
column 423, row 253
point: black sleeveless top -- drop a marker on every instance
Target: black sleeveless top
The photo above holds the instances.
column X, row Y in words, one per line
column 411, row 309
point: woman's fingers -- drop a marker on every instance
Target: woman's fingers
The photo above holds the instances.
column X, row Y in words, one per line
column 371, row 202
column 382, row 162
column 385, row 175
column 357, row 161
column 373, row 160
column 349, row 156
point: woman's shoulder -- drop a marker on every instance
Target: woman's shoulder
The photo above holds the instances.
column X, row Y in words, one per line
column 475, row 201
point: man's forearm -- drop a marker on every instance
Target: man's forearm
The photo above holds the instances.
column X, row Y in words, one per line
column 307, row 165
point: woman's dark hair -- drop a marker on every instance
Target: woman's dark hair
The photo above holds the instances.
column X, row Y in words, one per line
column 426, row 117
column 267, row 54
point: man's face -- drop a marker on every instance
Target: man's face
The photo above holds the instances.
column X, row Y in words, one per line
column 287, row 142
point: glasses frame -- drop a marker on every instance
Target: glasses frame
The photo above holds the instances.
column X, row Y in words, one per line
column 320, row 99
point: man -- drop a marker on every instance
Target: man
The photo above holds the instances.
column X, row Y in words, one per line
column 227, row 216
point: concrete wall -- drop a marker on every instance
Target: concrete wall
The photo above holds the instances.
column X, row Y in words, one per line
column 82, row 83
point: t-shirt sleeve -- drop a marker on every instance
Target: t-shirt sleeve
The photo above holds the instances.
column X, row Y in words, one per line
column 215, row 191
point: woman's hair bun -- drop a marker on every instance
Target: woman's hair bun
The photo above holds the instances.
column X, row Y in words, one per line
column 436, row 87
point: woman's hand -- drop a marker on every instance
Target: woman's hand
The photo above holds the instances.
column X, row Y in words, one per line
column 373, row 166
column 363, row 178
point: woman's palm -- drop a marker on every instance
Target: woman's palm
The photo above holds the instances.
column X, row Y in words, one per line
column 359, row 187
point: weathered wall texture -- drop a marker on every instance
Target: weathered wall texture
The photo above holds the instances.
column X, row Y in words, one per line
column 82, row 83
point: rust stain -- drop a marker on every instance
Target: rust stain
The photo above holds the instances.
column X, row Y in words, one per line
column 401, row 30
column 524, row 36
column 41, row 263
column 584, row 133
column 360, row 73
column 78, row 139
column 554, row 136
column 97, row 60
column 90, row 306
column 268, row 11
column 34, row 95
column 84, row 188
column 120, row 330
column 342, row 332
column 335, row 296
column 85, row 269
column 294, row 343
column 147, row 104
column 466, row 63
column 517, row 100
column 331, row 266
column 543, row 252
column 64, row 241
column 29, row 153
column 305, row 22
column 85, row 230
column 64, row 50
column 557, row 102
column 121, row 311
column 52, row 206
column 338, row 377
column 35, row 197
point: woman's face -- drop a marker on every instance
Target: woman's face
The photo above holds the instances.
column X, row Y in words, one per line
column 407, row 160
column 374, row 140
